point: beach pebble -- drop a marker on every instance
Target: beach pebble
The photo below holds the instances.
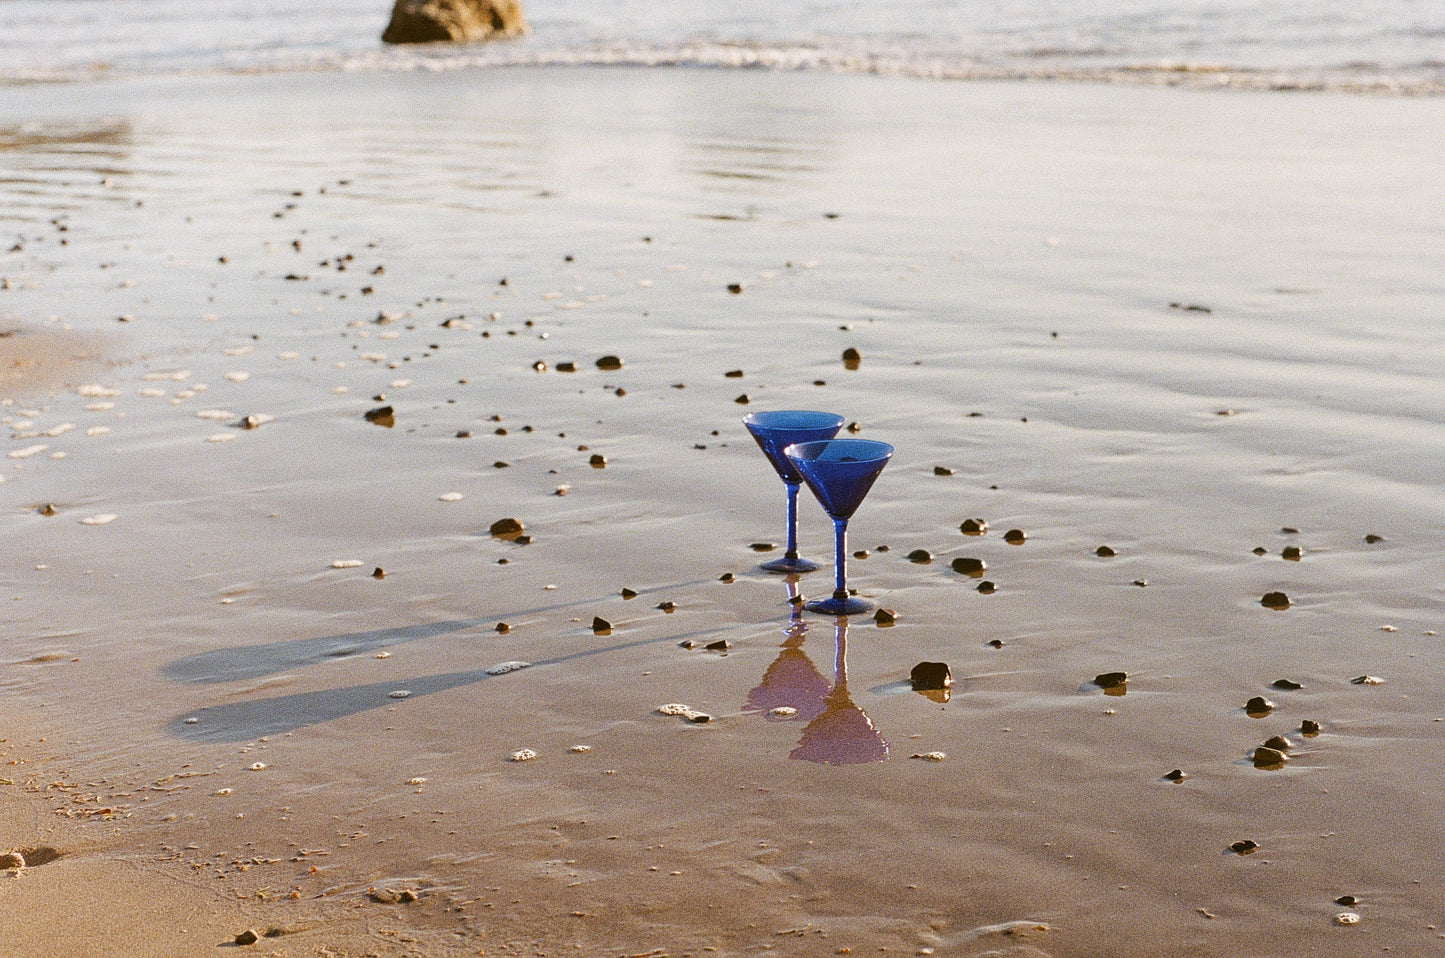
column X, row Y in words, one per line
column 247, row 937
column 851, row 358
column 1278, row 743
column 450, row 497
column 382, row 416
column 1286, row 685
column 1291, row 553
column 684, row 711
column 597, row 461
column 579, row 749
column 600, row 625
column 522, row 755
column 973, row 568
column 1309, row 727
column 504, row 667
column 1105, row 552
column 930, row 756
column 942, row 471
column 105, row 518
column 783, row 711
column 503, row 628
column 1111, row 680
column 1176, row 776
column 1275, row 600
column 721, row 645
column 930, row 675
column 987, row 587
column 1015, row 537
column 398, row 694
column 1357, row 680
column 1258, row 706
column 973, row 527
column 762, row 546
column 609, row 363
column 1349, row 901
column 1347, row 918
column 346, row 563
column 668, row 606
column 1266, row 757
column 1244, row 846
column 920, row 556
column 256, row 767
column 506, row 528
column 885, row 617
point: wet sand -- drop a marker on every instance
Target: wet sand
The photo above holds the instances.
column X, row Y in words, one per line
column 256, row 636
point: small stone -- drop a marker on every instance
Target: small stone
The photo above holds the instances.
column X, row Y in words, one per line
column 1260, row 550
column 1286, row 685
column 885, row 617
column 503, row 668
column 1015, row 537
column 1291, row 553
column 1111, row 680
column 1176, row 776
column 566, row 367
column 930, row 756
column 1349, row 901
column 920, row 556
column 783, row 711
column 247, row 937
column 47, row 510
column 522, row 755
column 1258, row 707
column 927, row 676
column 609, row 363
column 942, row 471
column 600, row 625
column 667, row 606
column 987, row 587
column 1372, row 539
column 1367, row 680
column 684, row 711
column 1266, row 757
column 628, row 593
column 1289, row 530
column 994, row 643
column 597, row 461
column 1278, row 742
column 1309, row 727
column 1347, row 918
column 1244, row 846
column 742, row 400
column 726, row 577
column 973, row 568
column 851, row 358
column 687, row 644
column 540, row 366
column 721, row 645
column 735, row 288
column 398, row 694
column 734, row 374
column 378, row 573
column 973, row 527
column 1275, row 600
column 508, row 529
column 1105, row 552
column 763, row 546
column 382, row 416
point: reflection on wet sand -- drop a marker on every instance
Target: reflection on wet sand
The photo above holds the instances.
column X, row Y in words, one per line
column 838, row 731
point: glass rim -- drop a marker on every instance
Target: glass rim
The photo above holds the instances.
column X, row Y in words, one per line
column 809, row 451
column 814, row 418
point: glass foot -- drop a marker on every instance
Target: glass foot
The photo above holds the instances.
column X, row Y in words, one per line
column 793, row 564
column 833, row 605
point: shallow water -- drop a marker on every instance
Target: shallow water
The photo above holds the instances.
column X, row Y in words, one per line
column 1172, row 323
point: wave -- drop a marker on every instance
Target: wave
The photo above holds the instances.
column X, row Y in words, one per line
column 1086, row 64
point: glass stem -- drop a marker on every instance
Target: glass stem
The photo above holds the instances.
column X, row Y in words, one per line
column 840, row 559
column 792, row 552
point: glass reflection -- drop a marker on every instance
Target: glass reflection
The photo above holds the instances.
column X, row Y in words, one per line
column 842, row 734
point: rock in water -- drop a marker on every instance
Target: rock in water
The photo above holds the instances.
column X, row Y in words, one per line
column 455, row 21
column 930, row 675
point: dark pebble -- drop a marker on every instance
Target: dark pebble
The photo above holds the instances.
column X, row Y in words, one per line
column 1243, row 847
column 885, row 617
column 628, row 593
column 861, row 554
column 1372, row 539
column 686, row 644
column 942, row 471
column 382, row 416
column 1141, row 583
column 973, row 527
column 1105, row 551
column 1289, row 530
column 600, row 625
column 735, row 288
column 247, row 937
column 1258, row 706
column 540, row 366
column 734, row 374
column 1275, row 600
column 996, row 643
column 742, row 400
column 47, row 510
column 721, row 645
column 378, row 573
column 597, row 461
column 920, row 556
column 1260, row 550
column 851, row 358
column 566, row 367
column 1015, row 537
column 987, row 587
column 969, row 567
column 506, row 528
column 609, row 363
column 763, row 546
column 666, row 606
column 1266, row 757
column 1285, row 685
column 930, row 675
column 725, row 577
column 1111, row 680
column 1349, row 901
column 1291, row 553
column 1176, row 776
column 464, row 434
column 503, row 628
column 1309, row 727
column 1277, row 742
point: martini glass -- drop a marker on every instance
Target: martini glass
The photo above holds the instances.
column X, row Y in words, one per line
column 840, row 472
column 774, row 432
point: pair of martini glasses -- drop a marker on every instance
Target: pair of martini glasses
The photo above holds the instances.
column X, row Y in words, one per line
column 801, row 446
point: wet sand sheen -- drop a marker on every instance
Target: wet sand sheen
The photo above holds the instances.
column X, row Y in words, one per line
column 218, row 684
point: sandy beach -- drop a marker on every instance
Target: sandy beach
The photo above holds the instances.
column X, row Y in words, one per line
column 279, row 350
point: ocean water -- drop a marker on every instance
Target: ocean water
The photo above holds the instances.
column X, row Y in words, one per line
column 1377, row 46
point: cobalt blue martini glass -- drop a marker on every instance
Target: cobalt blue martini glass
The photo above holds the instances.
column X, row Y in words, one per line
column 840, row 472
column 774, row 432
